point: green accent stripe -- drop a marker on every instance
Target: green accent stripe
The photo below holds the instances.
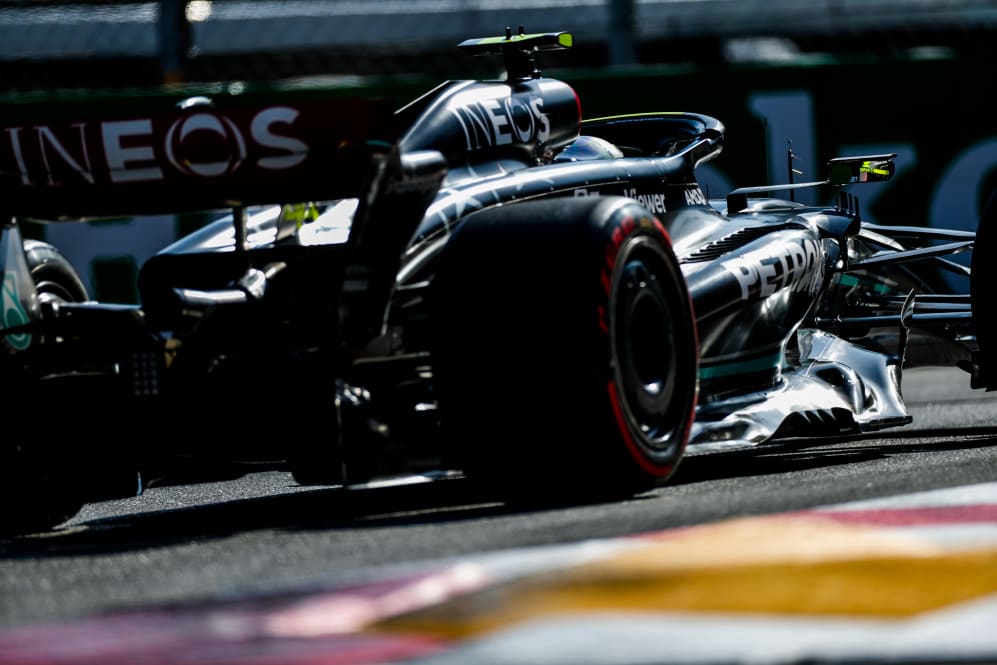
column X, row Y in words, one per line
column 741, row 367
column 854, row 280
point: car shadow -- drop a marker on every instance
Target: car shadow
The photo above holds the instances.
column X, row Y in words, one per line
column 299, row 508
column 442, row 501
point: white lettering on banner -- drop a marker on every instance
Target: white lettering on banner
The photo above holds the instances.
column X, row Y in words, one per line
column 501, row 121
column 42, row 153
column 15, row 147
column 45, row 135
column 118, row 157
column 799, row 268
column 48, row 144
column 215, row 124
column 261, row 131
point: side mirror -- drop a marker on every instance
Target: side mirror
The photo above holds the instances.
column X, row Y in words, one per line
column 870, row 168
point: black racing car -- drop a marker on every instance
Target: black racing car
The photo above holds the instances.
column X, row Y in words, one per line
column 481, row 281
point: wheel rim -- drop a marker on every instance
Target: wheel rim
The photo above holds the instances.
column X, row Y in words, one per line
column 651, row 351
column 52, row 292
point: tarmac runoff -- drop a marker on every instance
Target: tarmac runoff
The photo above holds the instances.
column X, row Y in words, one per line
column 909, row 579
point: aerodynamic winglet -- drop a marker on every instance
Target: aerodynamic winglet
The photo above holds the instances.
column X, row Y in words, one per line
column 519, row 49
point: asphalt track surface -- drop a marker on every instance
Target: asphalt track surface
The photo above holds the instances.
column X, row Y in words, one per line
column 859, row 549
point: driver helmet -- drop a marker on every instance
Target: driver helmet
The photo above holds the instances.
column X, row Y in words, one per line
column 585, row 148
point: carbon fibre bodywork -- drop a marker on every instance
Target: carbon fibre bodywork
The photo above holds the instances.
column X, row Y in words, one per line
column 433, row 290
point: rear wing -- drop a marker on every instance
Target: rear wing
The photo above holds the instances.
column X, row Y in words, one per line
column 72, row 158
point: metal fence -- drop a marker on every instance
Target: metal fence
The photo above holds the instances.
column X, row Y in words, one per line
column 48, row 45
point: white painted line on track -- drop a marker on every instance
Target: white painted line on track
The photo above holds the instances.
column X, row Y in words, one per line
column 951, row 496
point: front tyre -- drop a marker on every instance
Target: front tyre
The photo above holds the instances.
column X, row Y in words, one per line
column 565, row 354
column 983, row 272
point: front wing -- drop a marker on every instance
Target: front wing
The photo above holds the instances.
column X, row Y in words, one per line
column 836, row 388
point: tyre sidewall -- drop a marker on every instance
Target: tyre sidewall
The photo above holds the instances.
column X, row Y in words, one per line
column 527, row 300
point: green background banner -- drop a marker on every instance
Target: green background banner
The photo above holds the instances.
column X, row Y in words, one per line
column 932, row 111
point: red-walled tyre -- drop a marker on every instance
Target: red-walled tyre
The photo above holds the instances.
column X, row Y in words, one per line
column 565, row 357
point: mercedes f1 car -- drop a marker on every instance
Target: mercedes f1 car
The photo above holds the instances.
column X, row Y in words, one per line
column 480, row 282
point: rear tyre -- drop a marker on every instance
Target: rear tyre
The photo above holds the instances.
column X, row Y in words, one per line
column 54, row 276
column 38, row 489
column 37, row 493
column 565, row 354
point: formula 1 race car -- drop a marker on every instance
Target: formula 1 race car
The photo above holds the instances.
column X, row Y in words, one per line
column 479, row 282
